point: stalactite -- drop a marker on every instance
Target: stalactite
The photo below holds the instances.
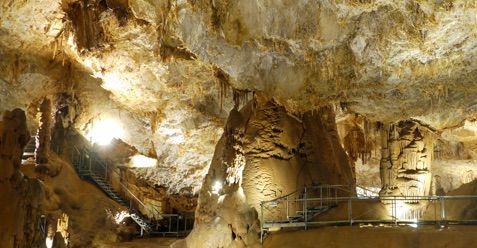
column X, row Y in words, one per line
column 240, row 97
column 223, row 84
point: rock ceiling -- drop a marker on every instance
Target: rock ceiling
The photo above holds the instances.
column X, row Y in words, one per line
column 161, row 67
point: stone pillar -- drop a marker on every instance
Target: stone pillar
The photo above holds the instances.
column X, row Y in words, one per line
column 43, row 137
column 407, row 151
column 20, row 196
column 264, row 153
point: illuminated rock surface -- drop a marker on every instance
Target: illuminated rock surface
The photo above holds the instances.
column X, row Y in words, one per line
column 168, row 72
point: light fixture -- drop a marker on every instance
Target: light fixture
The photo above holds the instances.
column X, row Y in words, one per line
column 120, row 216
column 216, row 187
column 49, row 242
column 104, row 130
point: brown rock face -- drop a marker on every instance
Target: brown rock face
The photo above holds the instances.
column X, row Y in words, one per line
column 21, row 197
column 263, row 154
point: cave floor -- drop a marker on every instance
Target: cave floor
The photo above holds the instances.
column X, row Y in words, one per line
column 375, row 236
column 158, row 242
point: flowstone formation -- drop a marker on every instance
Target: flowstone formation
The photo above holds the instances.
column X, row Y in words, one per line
column 406, row 166
column 264, row 153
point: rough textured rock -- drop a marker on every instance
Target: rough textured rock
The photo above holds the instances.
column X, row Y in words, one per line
column 36, row 205
column 406, row 165
column 21, row 197
column 43, row 137
column 162, row 70
column 263, row 154
column 156, row 63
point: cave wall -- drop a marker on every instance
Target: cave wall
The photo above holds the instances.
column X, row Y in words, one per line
column 21, row 197
column 264, row 153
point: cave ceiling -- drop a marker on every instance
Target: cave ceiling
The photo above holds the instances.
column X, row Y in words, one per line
column 162, row 67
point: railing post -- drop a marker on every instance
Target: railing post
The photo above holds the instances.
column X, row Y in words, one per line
column 328, row 196
column 336, row 196
column 350, row 212
column 185, row 222
column 306, row 210
column 177, row 224
column 288, row 212
column 321, row 195
column 443, row 211
column 395, row 210
column 89, row 162
column 261, row 222
column 170, row 223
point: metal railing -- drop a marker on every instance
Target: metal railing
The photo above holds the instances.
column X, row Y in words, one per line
column 89, row 165
column 367, row 210
column 177, row 225
column 88, row 161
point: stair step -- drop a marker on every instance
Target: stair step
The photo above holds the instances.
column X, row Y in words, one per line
column 104, row 184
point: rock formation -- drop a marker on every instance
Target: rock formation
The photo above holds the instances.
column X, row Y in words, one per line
column 21, row 197
column 406, row 165
column 43, row 137
column 324, row 72
column 264, row 153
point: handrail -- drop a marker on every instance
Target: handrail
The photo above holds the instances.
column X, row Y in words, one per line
column 436, row 197
column 105, row 167
column 335, row 186
column 366, row 189
column 281, row 197
column 439, row 218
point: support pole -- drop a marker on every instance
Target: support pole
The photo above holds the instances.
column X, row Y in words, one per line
column 321, row 196
column 261, row 222
column 288, row 212
column 395, row 210
column 306, row 209
column 350, row 212
column 443, row 211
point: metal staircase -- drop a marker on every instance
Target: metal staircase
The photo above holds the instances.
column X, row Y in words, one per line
column 29, row 150
column 90, row 166
column 297, row 208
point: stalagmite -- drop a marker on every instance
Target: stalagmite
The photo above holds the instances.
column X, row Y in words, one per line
column 407, row 151
column 43, row 137
column 263, row 154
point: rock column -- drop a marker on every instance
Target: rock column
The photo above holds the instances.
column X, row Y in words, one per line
column 405, row 166
column 43, row 137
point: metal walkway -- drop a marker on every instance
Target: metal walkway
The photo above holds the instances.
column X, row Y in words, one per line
column 361, row 209
column 91, row 167
column 29, row 149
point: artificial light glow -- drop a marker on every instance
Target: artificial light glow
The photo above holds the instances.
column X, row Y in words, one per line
column 216, row 187
column 414, row 224
column 141, row 161
column 402, row 210
column 103, row 131
column 114, row 83
column 119, row 217
column 71, row 42
column 49, row 242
